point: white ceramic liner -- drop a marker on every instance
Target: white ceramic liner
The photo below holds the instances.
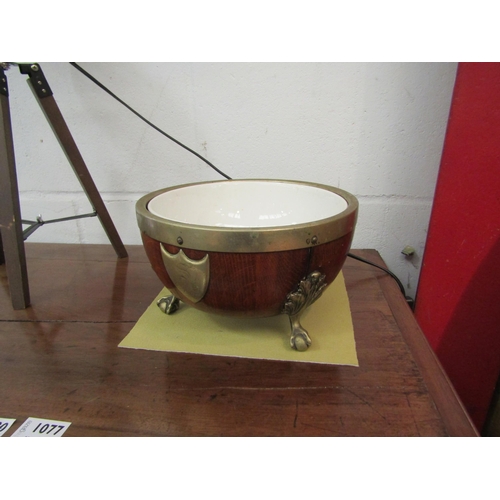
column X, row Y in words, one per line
column 256, row 204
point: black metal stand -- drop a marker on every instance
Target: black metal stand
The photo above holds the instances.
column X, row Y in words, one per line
column 12, row 236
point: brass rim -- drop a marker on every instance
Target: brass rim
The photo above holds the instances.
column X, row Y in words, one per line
column 247, row 240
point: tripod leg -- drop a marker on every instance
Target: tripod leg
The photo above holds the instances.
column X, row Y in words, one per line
column 2, row 255
column 11, row 231
column 51, row 110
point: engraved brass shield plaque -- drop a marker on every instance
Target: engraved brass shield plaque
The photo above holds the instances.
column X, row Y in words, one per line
column 191, row 277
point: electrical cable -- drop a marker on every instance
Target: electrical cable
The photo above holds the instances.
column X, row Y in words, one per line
column 401, row 287
column 99, row 84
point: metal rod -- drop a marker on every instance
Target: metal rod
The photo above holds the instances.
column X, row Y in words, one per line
column 34, row 225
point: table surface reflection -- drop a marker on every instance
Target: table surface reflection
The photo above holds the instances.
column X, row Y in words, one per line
column 59, row 360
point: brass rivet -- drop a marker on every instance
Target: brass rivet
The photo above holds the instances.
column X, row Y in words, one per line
column 180, row 240
column 314, row 240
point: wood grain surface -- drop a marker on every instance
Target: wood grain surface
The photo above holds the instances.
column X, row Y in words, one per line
column 59, row 360
column 252, row 284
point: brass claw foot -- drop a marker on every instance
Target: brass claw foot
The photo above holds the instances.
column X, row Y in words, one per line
column 300, row 339
column 169, row 304
column 308, row 290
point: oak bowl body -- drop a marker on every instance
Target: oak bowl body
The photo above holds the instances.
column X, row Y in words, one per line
column 239, row 247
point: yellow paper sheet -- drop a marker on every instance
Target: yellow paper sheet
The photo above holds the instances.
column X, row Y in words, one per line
column 328, row 322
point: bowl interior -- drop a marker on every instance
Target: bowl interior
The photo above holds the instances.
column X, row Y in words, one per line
column 247, row 204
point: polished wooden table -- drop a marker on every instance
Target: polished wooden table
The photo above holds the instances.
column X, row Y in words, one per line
column 59, row 360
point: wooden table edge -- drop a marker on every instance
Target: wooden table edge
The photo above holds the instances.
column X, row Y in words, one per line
column 453, row 413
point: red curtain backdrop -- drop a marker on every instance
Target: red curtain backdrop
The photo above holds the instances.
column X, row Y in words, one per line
column 458, row 297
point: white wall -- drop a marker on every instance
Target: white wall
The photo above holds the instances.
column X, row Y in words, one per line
column 374, row 129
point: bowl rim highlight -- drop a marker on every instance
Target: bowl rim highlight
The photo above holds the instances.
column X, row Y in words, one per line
column 247, row 239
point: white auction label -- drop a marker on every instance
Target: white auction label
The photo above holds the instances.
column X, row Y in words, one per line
column 41, row 427
column 5, row 424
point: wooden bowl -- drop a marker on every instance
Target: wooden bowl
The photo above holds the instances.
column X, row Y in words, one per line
column 247, row 247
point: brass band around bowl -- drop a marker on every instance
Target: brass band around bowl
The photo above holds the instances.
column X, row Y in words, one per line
column 248, row 239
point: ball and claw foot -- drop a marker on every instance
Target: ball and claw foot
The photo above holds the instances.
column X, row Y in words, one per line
column 169, row 304
column 300, row 339
column 308, row 290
